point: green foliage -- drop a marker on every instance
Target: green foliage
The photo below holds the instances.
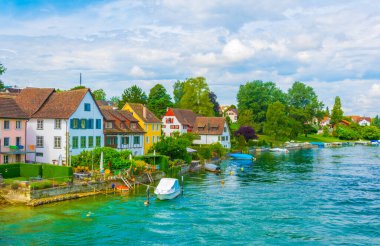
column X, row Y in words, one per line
column 133, row 94
column 174, row 146
column 246, row 118
column 337, row 112
column 159, row 100
column 376, row 121
column 115, row 100
column 117, row 159
column 30, row 170
column 213, row 100
column 277, row 124
column 99, row 94
column 370, row 132
column 45, row 184
column 78, row 87
column 10, row 170
column 161, row 160
column 347, row 133
column 2, row 70
column 56, row 172
column 178, row 91
column 304, row 107
column 326, row 131
column 256, row 96
column 196, row 97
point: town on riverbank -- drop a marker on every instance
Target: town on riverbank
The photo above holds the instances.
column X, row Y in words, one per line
column 63, row 144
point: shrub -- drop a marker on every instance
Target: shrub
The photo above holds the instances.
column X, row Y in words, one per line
column 347, row 133
column 326, row 132
column 41, row 185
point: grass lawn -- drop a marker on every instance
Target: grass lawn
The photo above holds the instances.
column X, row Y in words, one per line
column 318, row 138
column 268, row 139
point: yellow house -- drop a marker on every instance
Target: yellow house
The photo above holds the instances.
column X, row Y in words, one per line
column 148, row 121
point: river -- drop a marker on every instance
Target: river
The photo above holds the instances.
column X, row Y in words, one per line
column 319, row 196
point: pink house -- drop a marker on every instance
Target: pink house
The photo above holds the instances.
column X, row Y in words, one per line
column 12, row 131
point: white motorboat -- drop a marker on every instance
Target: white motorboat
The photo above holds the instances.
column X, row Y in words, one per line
column 167, row 189
column 279, row 150
column 212, row 168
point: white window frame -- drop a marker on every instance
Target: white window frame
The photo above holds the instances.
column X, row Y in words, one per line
column 18, row 124
column 41, row 138
column 57, row 123
column 57, row 142
column 40, row 124
column 5, row 159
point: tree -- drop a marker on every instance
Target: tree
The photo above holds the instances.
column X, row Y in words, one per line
column 78, row 87
column 304, row 107
column 2, row 70
column 159, row 100
column 245, row 118
column 327, row 112
column 247, row 132
column 256, row 96
column 196, row 96
column 133, row 94
column 178, row 91
column 213, row 99
column 99, row 94
column 173, row 146
column 370, row 132
column 376, row 121
column 277, row 124
column 337, row 112
column 115, row 100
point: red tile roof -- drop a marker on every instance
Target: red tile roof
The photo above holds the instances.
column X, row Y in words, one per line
column 209, row 125
column 10, row 109
column 147, row 117
column 185, row 116
column 111, row 114
column 31, row 99
column 61, row 105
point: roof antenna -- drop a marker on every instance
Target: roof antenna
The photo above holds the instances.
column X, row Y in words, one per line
column 80, row 79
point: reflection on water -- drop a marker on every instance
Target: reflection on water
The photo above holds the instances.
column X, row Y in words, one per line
column 319, row 196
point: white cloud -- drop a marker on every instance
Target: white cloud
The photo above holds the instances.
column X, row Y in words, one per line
column 136, row 71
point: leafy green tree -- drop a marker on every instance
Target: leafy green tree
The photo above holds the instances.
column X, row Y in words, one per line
column 327, row 113
column 196, row 97
column 257, row 96
column 277, row 124
column 178, row 91
column 304, row 107
column 133, row 94
column 370, row 132
column 2, row 70
column 77, row 87
column 376, row 121
column 245, row 118
column 213, row 99
column 174, row 147
column 159, row 100
column 326, row 131
column 337, row 112
column 99, row 94
column 115, row 100
column 347, row 133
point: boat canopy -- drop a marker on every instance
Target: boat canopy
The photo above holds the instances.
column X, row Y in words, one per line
column 167, row 184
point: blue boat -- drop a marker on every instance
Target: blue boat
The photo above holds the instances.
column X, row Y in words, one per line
column 241, row 156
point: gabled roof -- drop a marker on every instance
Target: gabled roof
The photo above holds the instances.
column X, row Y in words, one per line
column 233, row 110
column 61, row 105
column 31, row 99
column 185, row 116
column 111, row 114
column 147, row 117
column 10, row 110
column 209, row 125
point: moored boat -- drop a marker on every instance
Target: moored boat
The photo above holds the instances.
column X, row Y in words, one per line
column 212, row 167
column 279, row 150
column 167, row 189
column 241, row 156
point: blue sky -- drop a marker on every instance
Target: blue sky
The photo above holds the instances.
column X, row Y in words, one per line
column 333, row 46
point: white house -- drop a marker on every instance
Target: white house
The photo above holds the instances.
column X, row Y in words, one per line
column 63, row 124
column 233, row 114
column 212, row 130
column 365, row 121
column 178, row 120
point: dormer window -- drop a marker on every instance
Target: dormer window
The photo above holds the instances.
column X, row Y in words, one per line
column 133, row 125
column 108, row 124
column 87, row 107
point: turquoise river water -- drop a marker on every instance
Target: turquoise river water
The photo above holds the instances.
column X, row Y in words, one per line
column 318, row 197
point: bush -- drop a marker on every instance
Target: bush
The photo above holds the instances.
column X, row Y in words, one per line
column 30, row 170
column 10, row 170
column 370, row 133
column 53, row 171
column 41, row 185
column 326, row 131
column 347, row 133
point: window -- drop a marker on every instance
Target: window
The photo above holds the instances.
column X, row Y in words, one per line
column 6, row 124
column 57, row 142
column 225, row 129
column 39, row 141
column 75, row 142
column 108, row 124
column 226, row 138
column 98, row 139
column 90, row 141
column 147, row 139
column 18, row 124
column 158, row 139
column 83, row 142
column 5, row 159
column 153, row 138
column 57, row 124
column 18, row 141
column 136, row 140
column 125, row 140
column 98, row 124
column 40, row 124
column 133, row 125
column 218, row 138
column 90, row 124
column 223, row 138
column 74, row 123
column 83, row 123
column 6, row 142
column 87, row 107
column 39, row 154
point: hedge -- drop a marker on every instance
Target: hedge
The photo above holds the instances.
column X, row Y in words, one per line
column 30, row 170
column 52, row 171
column 45, row 171
column 10, row 170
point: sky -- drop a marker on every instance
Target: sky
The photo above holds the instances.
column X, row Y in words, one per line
column 333, row 46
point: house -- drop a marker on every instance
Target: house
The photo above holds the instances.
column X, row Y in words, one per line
column 12, row 131
column 233, row 114
column 122, row 130
column 148, row 121
column 362, row 121
column 178, row 120
column 212, row 130
column 325, row 121
column 62, row 124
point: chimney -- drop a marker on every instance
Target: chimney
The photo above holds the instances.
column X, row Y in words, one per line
column 144, row 111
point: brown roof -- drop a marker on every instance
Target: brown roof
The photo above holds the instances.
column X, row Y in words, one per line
column 61, row 105
column 185, row 116
column 9, row 109
column 233, row 110
column 111, row 114
column 31, row 99
column 148, row 117
column 209, row 125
